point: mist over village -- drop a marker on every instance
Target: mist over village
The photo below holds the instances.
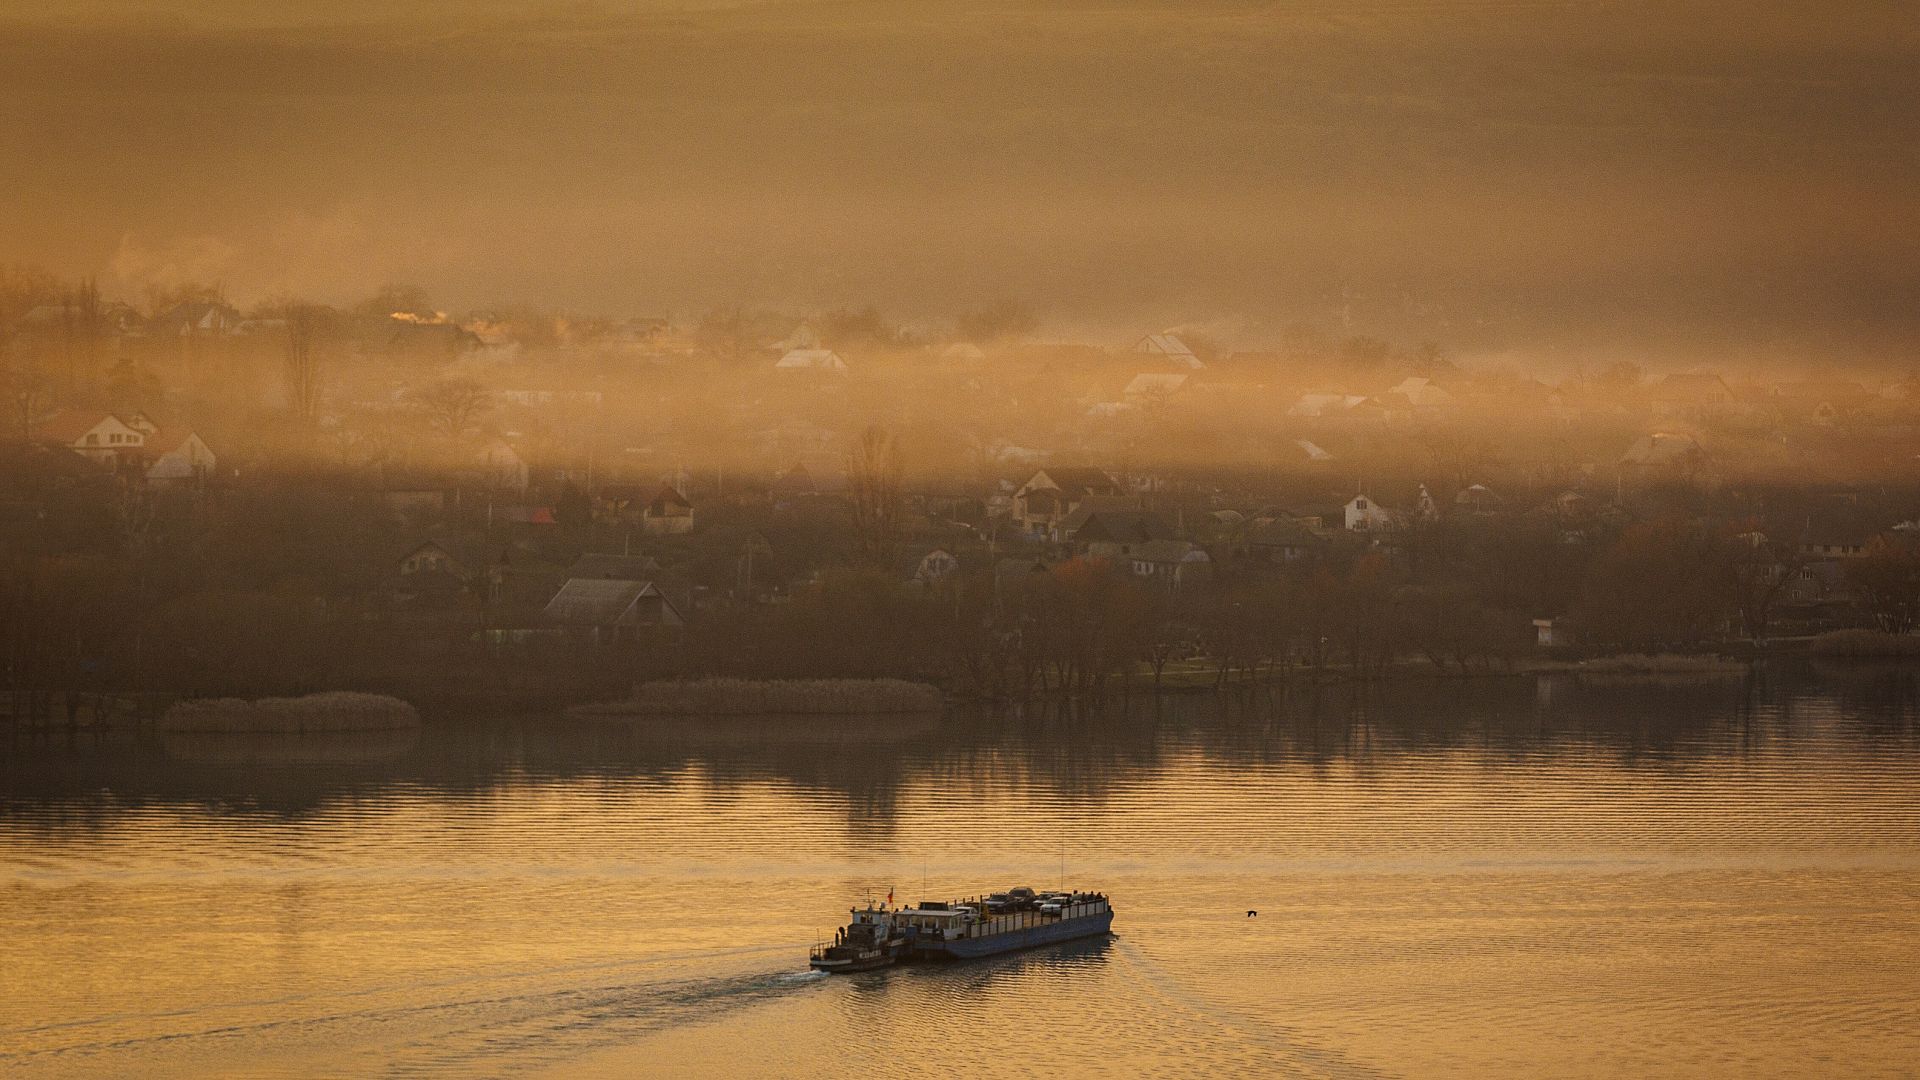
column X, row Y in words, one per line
column 525, row 502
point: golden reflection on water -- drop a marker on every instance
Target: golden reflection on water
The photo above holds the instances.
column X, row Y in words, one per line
column 1728, row 905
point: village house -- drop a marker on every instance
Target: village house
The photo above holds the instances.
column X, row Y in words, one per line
column 1052, row 495
column 1170, row 564
column 1416, row 397
column 1475, row 499
column 933, row 567
column 1118, row 534
column 1281, row 539
column 1169, row 350
column 177, row 457
column 1365, row 515
column 811, row 361
column 1348, row 409
column 606, row 611
column 99, row 436
column 667, row 513
column 437, row 574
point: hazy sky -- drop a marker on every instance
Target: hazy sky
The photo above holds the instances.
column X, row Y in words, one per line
column 1684, row 178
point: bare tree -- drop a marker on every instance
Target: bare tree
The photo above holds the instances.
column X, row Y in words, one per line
column 452, row 406
column 302, row 366
column 874, row 470
column 28, row 392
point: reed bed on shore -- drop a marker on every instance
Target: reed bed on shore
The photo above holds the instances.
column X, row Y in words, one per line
column 335, row 711
column 748, row 697
column 1647, row 664
column 1866, row 645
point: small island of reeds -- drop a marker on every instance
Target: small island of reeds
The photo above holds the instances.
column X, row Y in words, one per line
column 335, row 711
column 757, row 697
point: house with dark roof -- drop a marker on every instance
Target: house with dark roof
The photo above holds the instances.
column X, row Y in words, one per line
column 1118, row 534
column 667, row 513
column 1170, row 564
column 1281, row 540
column 605, row 611
column 1048, row 498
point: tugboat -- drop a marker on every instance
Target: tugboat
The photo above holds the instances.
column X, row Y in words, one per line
column 872, row 940
column 963, row 929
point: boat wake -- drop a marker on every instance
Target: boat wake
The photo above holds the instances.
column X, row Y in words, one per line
column 1293, row 1054
column 493, row 1024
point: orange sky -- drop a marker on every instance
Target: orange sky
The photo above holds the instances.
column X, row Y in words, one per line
column 1681, row 178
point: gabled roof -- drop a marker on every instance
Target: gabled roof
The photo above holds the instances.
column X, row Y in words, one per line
column 811, row 360
column 599, row 601
column 1073, row 481
column 666, row 498
column 1169, row 348
column 1090, row 505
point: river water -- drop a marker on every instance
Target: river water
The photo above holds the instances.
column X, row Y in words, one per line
column 1713, row 877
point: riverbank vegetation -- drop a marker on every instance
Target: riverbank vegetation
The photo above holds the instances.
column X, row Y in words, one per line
column 743, row 697
column 1866, row 645
column 330, row 712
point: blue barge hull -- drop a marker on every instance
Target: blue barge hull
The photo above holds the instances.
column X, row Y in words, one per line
column 1048, row 933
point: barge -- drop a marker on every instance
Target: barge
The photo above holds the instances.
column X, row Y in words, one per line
column 1021, row 918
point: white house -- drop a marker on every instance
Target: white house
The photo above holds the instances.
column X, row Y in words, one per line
column 1365, row 515
column 101, row 436
column 816, row 360
column 177, row 456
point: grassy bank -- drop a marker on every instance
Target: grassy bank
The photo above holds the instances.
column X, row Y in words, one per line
column 750, row 697
column 338, row 711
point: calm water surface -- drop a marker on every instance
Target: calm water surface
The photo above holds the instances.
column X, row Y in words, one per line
column 1684, row 878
